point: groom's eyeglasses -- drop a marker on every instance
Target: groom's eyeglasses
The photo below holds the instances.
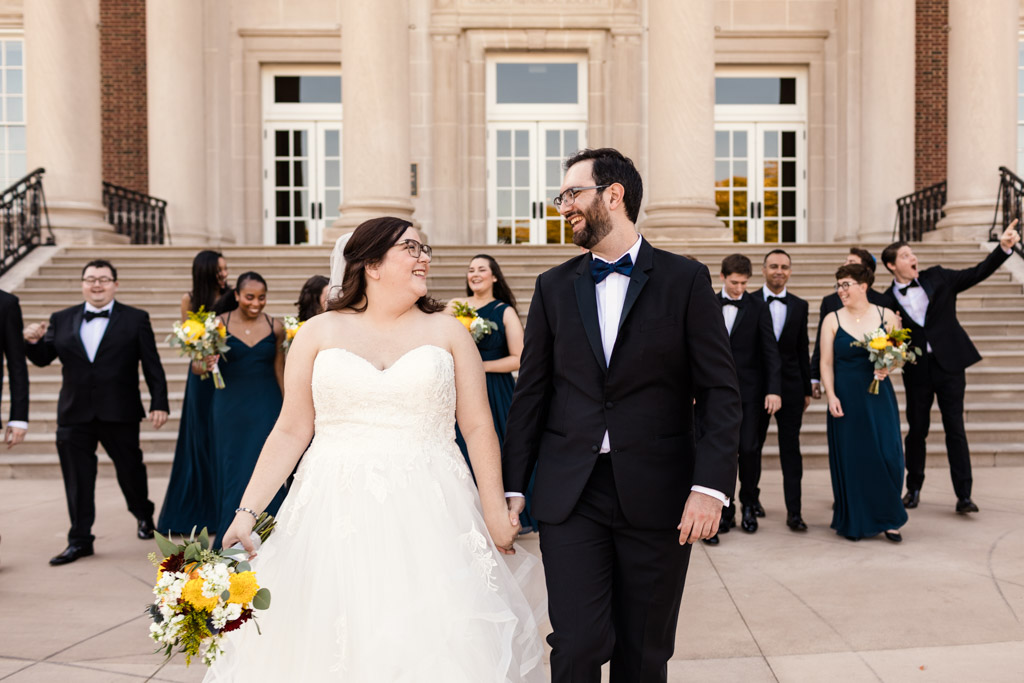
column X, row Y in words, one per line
column 844, row 285
column 416, row 248
column 568, row 198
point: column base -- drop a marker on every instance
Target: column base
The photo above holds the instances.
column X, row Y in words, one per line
column 80, row 223
column 965, row 220
column 684, row 221
column 353, row 214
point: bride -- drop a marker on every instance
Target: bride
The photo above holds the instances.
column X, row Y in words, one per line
column 386, row 564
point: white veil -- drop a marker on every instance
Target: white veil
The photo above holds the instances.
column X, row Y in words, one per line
column 337, row 266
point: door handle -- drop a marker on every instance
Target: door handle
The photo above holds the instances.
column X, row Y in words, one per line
column 312, row 211
column 759, row 209
column 751, row 212
column 320, row 210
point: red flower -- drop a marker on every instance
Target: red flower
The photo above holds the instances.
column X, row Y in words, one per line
column 174, row 563
column 235, row 623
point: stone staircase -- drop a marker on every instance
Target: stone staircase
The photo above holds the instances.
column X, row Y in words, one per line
column 154, row 278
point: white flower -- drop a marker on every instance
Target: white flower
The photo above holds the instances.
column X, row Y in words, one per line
column 213, row 650
column 216, row 579
column 168, row 588
column 222, row 614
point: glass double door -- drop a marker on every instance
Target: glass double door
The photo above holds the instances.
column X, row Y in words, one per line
column 524, row 173
column 761, row 181
column 302, row 180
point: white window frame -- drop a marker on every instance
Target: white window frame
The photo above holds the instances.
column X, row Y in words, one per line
column 529, row 112
column 14, row 35
column 796, row 113
column 295, row 111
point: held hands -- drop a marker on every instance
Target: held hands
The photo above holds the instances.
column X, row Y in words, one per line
column 835, row 408
column 701, row 516
column 816, row 389
column 13, row 436
column 1009, row 238
column 772, row 403
column 158, row 418
column 34, row 332
column 503, row 525
column 240, row 531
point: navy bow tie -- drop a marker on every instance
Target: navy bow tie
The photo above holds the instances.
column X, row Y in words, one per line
column 92, row 315
column 913, row 283
column 731, row 302
column 600, row 269
column 780, row 299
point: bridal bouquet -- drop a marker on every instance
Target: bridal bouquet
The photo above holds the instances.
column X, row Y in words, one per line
column 888, row 350
column 201, row 594
column 200, row 336
column 477, row 326
column 291, row 328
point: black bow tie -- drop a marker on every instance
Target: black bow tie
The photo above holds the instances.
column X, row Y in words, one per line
column 599, row 269
column 92, row 315
column 913, row 283
column 780, row 299
column 731, row 302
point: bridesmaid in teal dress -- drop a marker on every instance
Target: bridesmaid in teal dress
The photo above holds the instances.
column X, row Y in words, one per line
column 245, row 410
column 865, row 450
column 489, row 293
column 191, row 499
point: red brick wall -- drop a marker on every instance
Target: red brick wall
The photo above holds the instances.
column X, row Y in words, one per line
column 123, row 81
column 931, row 85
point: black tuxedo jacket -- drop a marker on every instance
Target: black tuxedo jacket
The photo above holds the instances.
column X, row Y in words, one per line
column 106, row 389
column 671, row 349
column 951, row 347
column 754, row 350
column 793, row 344
column 830, row 303
column 12, row 346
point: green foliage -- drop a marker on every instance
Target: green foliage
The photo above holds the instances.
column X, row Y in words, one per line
column 167, row 547
column 463, row 310
column 193, row 632
column 262, row 599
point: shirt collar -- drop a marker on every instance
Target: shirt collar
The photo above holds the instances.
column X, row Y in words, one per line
column 92, row 309
column 897, row 286
column 633, row 251
column 726, row 296
column 767, row 292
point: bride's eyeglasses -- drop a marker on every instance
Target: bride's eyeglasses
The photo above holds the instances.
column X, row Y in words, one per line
column 416, row 248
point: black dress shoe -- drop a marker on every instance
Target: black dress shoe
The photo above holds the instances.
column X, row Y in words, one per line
column 894, row 536
column 71, row 553
column 796, row 523
column 726, row 524
column 758, row 510
column 711, row 541
column 146, row 527
column 965, row 505
column 851, row 538
column 749, row 522
column 912, row 498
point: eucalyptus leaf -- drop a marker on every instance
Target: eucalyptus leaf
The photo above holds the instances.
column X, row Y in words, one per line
column 243, row 567
column 204, row 539
column 191, row 552
column 225, row 596
column 233, row 551
column 167, row 547
column 262, row 599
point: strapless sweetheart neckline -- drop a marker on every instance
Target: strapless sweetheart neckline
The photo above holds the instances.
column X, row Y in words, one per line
column 393, row 364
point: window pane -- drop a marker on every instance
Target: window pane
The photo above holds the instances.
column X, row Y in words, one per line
column 299, row 177
column 505, row 144
column 537, row 83
column 721, row 143
column 504, row 232
column 739, row 204
column 789, row 143
column 771, row 204
column 12, row 53
column 789, row 231
column 332, row 173
column 553, row 170
column 299, row 147
column 504, row 203
column 771, row 231
column 721, row 174
column 299, row 205
column 522, row 202
column 522, row 143
column 504, row 173
column 16, row 138
column 739, row 173
column 16, row 162
column 722, row 199
column 739, row 231
column 789, row 173
column 771, row 174
column 789, row 204
column 282, row 203
column 308, row 89
column 14, row 112
column 739, row 144
column 281, row 143
column 572, row 142
column 771, row 143
column 522, row 173
column 552, row 145
column 281, row 174
column 301, row 234
column 12, row 82
column 331, row 143
column 332, row 200
column 755, row 90
column 283, row 233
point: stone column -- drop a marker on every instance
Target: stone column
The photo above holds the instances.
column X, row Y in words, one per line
column 982, row 123
column 681, row 122
column 887, row 113
column 62, row 65
column 177, row 160
column 626, row 85
column 375, row 129
column 448, row 226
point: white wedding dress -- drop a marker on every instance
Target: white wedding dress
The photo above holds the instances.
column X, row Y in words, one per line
column 381, row 569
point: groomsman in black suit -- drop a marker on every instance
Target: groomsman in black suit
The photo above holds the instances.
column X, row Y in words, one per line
column 623, row 347
column 13, row 348
column 789, row 326
column 759, row 370
column 831, row 302
column 926, row 300
column 100, row 344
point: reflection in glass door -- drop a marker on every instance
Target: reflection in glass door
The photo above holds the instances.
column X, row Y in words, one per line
column 303, row 176
column 760, row 181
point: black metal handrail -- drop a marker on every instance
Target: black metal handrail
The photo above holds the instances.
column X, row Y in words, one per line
column 918, row 212
column 139, row 216
column 1008, row 207
column 22, row 212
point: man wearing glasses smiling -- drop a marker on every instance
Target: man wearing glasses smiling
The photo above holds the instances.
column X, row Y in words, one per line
column 621, row 350
column 100, row 345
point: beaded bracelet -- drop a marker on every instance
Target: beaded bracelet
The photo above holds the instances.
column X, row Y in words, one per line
column 250, row 511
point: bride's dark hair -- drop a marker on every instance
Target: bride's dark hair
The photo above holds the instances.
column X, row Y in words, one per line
column 368, row 246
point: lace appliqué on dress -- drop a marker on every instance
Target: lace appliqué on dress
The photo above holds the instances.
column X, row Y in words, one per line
column 483, row 562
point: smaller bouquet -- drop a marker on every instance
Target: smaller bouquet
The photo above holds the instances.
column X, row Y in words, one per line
column 291, row 328
column 200, row 336
column 201, row 594
column 477, row 326
column 888, row 350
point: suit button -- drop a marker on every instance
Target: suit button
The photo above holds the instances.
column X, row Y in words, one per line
column 609, row 405
column 595, row 449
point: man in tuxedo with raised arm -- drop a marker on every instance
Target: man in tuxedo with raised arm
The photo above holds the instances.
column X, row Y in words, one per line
column 100, row 344
column 926, row 301
column 759, row 370
column 831, row 302
column 620, row 342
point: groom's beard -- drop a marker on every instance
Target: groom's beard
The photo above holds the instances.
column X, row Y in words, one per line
column 597, row 226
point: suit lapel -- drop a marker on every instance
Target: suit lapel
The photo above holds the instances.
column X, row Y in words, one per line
column 637, row 279
column 586, row 299
column 115, row 313
column 76, row 330
column 740, row 310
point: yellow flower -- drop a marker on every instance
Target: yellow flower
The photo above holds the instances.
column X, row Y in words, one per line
column 192, row 593
column 290, row 332
column 879, row 343
column 243, row 587
column 193, row 330
column 465, row 320
column 222, row 330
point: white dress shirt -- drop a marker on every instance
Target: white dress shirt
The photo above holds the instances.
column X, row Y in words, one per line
column 777, row 309
column 729, row 312
column 92, row 331
column 914, row 302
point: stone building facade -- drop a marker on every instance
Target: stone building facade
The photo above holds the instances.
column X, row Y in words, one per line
column 263, row 122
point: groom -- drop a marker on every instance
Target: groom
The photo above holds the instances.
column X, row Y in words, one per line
column 624, row 347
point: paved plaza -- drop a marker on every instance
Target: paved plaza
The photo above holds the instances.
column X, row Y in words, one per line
column 945, row 605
